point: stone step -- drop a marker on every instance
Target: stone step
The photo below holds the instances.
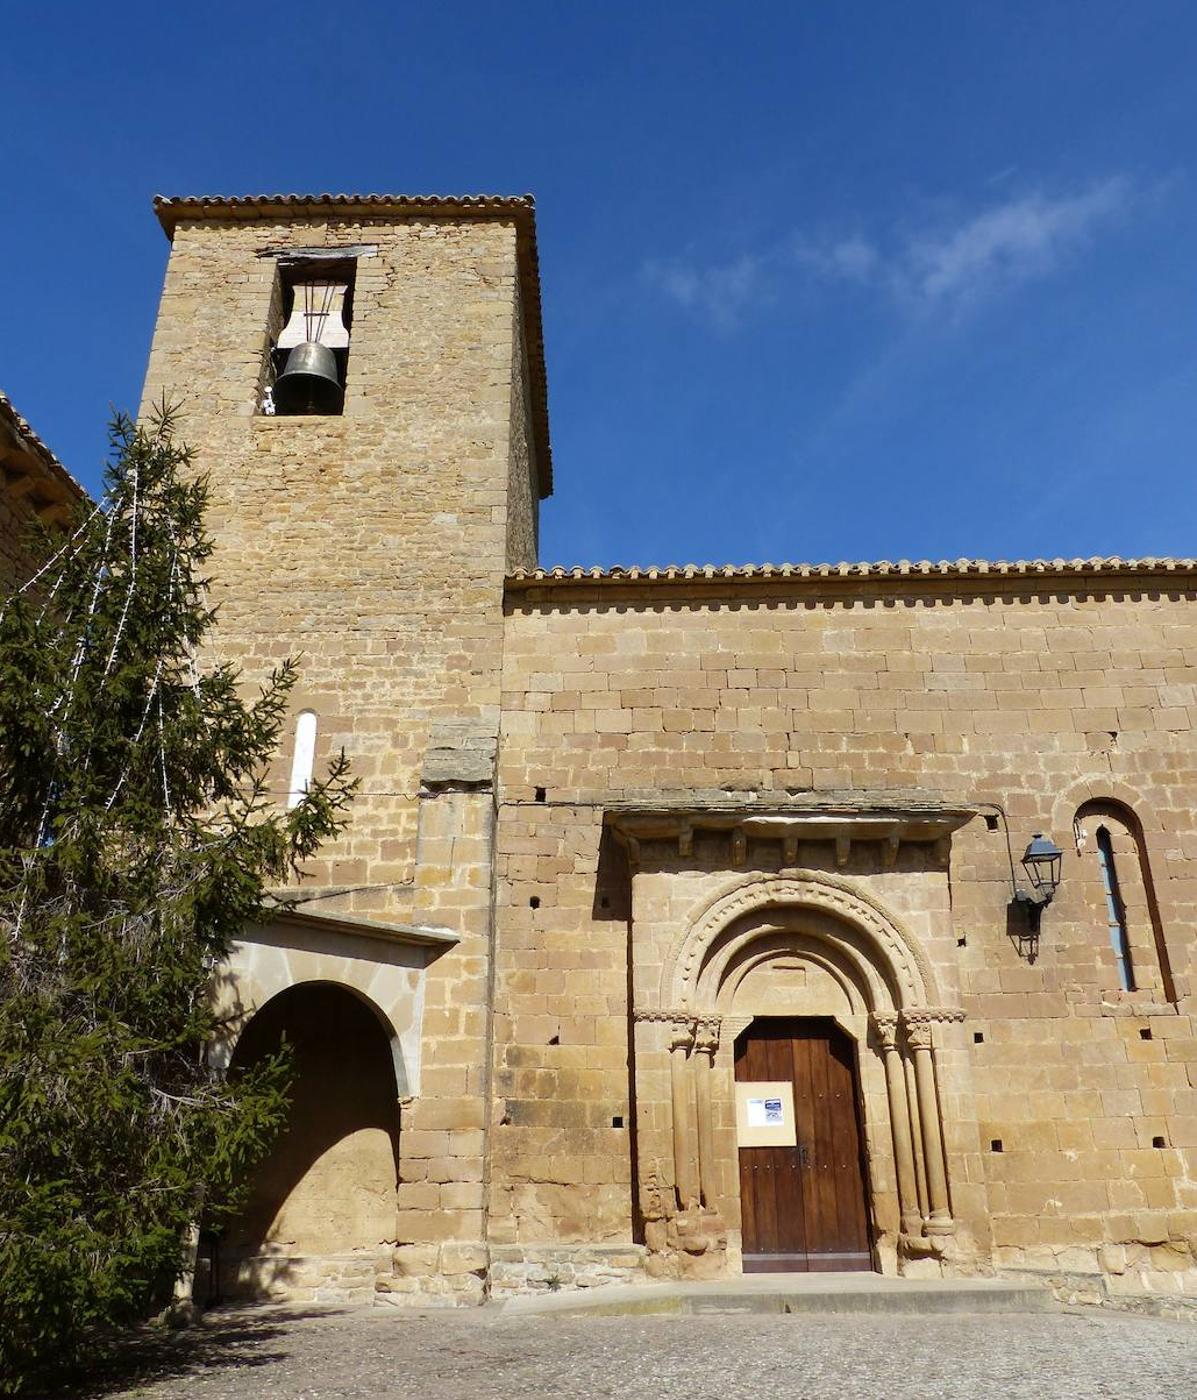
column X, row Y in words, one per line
column 793, row 1293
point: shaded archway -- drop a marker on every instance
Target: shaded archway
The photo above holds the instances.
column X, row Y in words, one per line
column 327, row 1187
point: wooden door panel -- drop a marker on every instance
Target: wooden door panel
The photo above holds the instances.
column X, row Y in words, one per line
column 804, row 1207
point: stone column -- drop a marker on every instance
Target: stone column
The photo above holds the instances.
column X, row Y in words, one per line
column 681, row 1040
column 886, row 1024
column 918, row 1037
column 706, row 1042
column 916, row 1135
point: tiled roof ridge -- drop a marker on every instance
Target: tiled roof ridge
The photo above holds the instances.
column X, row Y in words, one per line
column 171, row 209
column 884, row 568
column 33, row 440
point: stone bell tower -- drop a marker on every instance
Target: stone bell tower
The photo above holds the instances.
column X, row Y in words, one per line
column 362, row 381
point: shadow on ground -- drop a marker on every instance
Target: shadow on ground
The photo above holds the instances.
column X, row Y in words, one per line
column 230, row 1338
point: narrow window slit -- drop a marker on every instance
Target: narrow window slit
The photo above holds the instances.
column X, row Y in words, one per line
column 304, row 757
column 1115, row 910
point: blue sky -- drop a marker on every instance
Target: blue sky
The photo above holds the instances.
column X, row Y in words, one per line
column 822, row 280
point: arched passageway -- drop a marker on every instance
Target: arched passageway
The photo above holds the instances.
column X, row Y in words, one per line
column 327, row 1187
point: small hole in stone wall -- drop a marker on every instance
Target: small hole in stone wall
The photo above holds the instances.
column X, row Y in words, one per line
column 978, row 1037
column 991, row 821
column 534, row 902
column 1144, row 1032
column 617, row 1121
column 1158, row 1142
column 962, row 942
column 554, row 1040
column 540, row 794
column 996, row 1145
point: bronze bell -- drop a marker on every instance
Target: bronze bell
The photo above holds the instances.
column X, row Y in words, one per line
column 310, row 382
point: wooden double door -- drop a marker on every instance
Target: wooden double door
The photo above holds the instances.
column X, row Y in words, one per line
column 805, row 1207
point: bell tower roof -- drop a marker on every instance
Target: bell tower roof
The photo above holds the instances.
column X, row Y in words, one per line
column 519, row 210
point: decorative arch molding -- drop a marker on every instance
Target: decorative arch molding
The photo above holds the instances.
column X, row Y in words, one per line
column 1103, row 788
column 893, row 948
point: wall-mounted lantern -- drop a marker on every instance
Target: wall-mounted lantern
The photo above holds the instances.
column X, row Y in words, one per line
column 1042, row 861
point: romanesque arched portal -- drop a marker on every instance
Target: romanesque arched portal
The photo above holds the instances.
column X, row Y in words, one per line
column 807, row 944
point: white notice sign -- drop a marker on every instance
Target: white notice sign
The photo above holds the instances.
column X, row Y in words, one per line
column 765, row 1114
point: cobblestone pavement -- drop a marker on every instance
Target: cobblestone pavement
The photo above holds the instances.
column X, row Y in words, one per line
column 483, row 1356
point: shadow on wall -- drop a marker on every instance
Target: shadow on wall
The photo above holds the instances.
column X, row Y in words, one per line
column 328, row 1185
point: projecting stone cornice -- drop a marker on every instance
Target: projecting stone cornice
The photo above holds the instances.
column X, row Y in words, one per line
column 886, row 823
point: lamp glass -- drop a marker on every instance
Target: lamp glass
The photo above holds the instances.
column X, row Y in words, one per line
column 1042, row 861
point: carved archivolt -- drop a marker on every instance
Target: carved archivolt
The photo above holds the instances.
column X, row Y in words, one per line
column 891, row 947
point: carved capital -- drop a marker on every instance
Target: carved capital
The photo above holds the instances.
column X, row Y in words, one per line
column 706, row 1035
column 681, row 1035
column 918, row 1022
column 917, row 1025
column 885, row 1023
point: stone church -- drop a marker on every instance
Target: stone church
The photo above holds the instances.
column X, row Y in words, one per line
column 693, row 920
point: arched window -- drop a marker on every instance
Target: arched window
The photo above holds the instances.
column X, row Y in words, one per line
column 1122, row 895
column 1115, row 909
column 305, row 756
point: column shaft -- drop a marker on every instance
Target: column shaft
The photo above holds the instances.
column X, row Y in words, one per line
column 899, row 1115
column 684, row 1173
column 937, row 1177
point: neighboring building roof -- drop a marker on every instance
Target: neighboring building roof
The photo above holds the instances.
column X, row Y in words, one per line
column 25, row 459
column 520, row 209
column 944, row 569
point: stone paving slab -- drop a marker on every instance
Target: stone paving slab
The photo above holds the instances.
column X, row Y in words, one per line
column 480, row 1354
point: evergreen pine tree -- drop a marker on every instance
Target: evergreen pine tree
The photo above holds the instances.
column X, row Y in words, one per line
column 137, row 839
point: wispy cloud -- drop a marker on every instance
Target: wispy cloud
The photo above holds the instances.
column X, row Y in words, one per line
column 946, row 268
column 721, row 292
column 1009, row 243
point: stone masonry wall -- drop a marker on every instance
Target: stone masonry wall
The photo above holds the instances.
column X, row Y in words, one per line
column 1036, row 697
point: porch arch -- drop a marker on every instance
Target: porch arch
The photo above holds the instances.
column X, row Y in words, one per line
column 326, row 1189
column 259, row 969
